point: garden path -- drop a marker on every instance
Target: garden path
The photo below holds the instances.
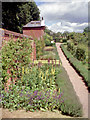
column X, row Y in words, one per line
column 76, row 80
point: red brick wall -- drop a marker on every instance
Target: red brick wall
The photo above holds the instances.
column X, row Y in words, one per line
column 34, row 32
column 6, row 35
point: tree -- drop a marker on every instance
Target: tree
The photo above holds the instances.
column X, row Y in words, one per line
column 87, row 29
column 16, row 14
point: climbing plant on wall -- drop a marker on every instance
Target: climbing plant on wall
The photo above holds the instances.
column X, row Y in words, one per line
column 15, row 55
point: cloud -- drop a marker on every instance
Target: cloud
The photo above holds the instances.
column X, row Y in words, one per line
column 61, row 0
column 73, row 13
column 67, row 26
column 70, row 11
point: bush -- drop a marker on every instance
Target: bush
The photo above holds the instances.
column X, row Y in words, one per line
column 80, row 54
column 77, row 64
column 64, row 40
column 71, row 48
column 47, row 40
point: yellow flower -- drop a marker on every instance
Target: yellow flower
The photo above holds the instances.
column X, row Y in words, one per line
column 42, row 75
column 47, row 72
column 53, row 71
column 26, row 70
column 59, row 90
column 22, row 70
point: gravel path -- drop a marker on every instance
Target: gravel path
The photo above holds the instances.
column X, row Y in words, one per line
column 76, row 81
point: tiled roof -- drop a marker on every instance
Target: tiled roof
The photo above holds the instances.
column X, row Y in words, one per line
column 34, row 24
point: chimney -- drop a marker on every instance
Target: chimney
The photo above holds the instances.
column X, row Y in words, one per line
column 42, row 22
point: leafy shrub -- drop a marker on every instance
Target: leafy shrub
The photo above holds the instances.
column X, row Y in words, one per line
column 71, row 109
column 57, row 39
column 71, row 48
column 48, row 39
column 80, row 54
column 64, row 40
column 77, row 64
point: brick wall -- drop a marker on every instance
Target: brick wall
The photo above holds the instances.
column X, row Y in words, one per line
column 35, row 33
column 6, row 35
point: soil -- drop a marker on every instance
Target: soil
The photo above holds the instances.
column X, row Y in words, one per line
column 23, row 114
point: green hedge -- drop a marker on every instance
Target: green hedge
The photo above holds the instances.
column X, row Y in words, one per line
column 77, row 65
column 78, row 52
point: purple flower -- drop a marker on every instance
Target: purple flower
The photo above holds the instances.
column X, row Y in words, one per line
column 35, row 92
column 59, row 96
column 48, row 61
column 21, row 94
column 28, row 95
column 39, row 64
column 38, row 98
column 52, row 62
column 21, row 90
column 18, row 104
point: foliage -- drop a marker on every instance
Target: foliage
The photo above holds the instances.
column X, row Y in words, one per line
column 87, row 29
column 47, row 31
column 20, row 12
column 40, row 44
column 71, row 48
column 48, row 39
column 77, row 64
column 15, row 55
column 80, row 54
column 64, row 40
column 78, row 46
column 36, row 90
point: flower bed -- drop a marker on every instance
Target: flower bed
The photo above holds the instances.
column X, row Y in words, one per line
column 50, row 48
column 35, row 90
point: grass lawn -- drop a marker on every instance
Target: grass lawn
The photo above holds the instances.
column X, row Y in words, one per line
column 72, row 104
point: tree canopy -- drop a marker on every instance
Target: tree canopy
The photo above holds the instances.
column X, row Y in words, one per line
column 87, row 29
column 16, row 14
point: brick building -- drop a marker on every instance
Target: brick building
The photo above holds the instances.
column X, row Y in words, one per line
column 35, row 29
column 32, row 30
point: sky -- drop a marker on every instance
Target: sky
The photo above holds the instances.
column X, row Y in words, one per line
column 64, row 15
